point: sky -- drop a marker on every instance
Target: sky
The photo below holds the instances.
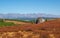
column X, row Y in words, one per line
column 30, row 6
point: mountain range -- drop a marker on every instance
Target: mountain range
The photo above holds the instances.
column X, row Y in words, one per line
column 18, row 16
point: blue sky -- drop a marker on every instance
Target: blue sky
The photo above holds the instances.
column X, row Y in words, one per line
column 30, row 6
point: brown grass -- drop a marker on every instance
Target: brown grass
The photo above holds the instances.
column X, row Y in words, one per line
column 49, row 29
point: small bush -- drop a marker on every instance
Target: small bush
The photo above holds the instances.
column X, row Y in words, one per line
column 46, row 19
column 1, row 20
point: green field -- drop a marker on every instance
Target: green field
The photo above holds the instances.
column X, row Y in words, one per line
column 2, row 23
column 6, row 24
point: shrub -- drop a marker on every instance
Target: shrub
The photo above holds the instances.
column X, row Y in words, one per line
column 1, row 20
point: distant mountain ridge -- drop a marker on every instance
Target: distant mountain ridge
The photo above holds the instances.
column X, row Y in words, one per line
column 17, row 16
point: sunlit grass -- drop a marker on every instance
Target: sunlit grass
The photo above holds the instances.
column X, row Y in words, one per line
column 6, row 24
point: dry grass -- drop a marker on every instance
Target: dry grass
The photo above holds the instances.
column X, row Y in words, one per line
column 29, row 34
column 49, row 29
column 17, row 22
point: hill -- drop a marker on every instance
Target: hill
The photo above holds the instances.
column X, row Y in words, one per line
column 49, row 29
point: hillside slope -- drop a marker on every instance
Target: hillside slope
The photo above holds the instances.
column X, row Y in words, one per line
column 49, row 29
column 49, row 24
